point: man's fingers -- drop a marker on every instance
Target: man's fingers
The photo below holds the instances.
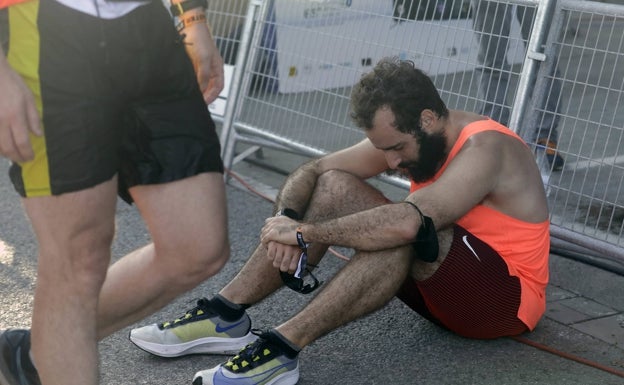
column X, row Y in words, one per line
column 293, row 264
column 18, row 116
column 15, row 140
column 212, row 88
column 210, row 95
column 10, row 148
column 34, row 123
column 283, row 257
column 20, row 130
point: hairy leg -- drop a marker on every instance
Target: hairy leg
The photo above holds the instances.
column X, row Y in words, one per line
column 368, row 282
column 359, row 289
column 336, row 194
column 75, row 232
column 187, row 221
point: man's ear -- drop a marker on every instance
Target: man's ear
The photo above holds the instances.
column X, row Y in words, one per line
column 427, row 119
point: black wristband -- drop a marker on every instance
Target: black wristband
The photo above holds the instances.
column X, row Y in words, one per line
column 178, row 9
column 290, row 213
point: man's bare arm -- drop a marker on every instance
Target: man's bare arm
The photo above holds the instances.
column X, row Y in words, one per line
column 380, row 228
column 362, row 160
column 203, row 52
column 469, row 179
column 465, row 183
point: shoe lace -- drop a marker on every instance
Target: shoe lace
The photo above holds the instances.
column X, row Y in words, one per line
column 254, row 354
column 202, row 309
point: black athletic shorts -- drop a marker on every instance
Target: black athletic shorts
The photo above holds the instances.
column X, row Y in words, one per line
column 116, row 96
column 471, row 293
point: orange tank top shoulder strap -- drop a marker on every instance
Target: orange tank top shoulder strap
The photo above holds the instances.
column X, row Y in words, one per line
column 469, row 130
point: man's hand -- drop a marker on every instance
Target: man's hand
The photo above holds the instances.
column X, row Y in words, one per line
column 279, row 229
column 284, row 257
column 18, row 115
column 206, row 59
column 279, row 235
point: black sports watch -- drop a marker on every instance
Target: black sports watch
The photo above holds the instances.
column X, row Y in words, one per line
column 183, row 6
column 290, row 213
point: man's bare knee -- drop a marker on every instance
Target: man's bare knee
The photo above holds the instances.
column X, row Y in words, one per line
column 202, row 261
column 331, row 184
column 341, row 193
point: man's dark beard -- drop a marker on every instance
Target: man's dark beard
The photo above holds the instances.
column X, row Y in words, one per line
column 431, row 155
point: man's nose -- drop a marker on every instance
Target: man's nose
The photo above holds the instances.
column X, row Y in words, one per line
column 393, row 160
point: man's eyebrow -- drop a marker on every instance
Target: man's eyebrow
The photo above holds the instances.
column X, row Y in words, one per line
column 390, row 148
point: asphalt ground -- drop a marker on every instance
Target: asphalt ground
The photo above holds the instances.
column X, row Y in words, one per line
column 391, row 346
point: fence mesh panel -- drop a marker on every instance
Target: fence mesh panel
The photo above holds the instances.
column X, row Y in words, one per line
column 305, row 55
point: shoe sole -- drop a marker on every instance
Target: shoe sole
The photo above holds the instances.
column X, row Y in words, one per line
column 288, row 378
column 208, row 345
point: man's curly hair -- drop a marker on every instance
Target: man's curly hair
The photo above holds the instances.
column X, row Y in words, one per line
column 402, row 87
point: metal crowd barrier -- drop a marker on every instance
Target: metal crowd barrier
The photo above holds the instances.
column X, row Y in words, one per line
column 296, row 60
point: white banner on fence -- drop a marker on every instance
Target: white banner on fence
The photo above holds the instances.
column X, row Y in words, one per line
column 325, row 44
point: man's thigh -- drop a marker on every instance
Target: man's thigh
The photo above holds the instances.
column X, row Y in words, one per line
column 76, row 224
column 186, row 213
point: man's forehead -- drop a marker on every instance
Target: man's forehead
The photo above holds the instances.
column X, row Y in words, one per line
column 385, row 137
column 384, row 116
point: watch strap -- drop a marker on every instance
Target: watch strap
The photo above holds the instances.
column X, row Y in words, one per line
column 290, row 213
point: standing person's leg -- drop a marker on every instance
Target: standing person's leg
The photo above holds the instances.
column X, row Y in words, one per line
column 69, row 191
column 187, row 220
column 84, row 130
column 170, row 167
column 491, row 24
column 74, row 231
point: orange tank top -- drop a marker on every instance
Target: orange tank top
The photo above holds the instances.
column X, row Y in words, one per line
column 524, row 246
